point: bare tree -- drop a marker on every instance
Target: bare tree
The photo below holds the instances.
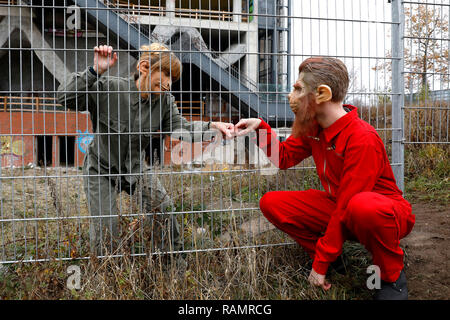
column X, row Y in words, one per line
column 426, row 47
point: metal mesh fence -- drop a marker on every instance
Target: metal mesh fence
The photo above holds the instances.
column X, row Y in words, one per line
column 426, row 72
column 90, row 164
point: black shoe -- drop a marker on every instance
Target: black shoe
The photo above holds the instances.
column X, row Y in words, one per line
column 393, row 290
column 340, row 265
column 306, row 269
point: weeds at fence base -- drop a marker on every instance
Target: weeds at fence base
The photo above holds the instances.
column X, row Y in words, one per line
column 273, row 272
column 427, row 173
column 277, row 272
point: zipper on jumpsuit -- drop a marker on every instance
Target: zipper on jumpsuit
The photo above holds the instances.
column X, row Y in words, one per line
column 324, row 167
column 325, row 175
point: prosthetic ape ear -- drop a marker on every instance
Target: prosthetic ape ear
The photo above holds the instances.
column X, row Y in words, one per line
column 323, row 94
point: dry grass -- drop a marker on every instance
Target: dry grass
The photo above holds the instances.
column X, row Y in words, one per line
column 427, row 156
column 427, row 173
column 253, row 273
column 427, row 122
column 44, row 214
column 264, row 272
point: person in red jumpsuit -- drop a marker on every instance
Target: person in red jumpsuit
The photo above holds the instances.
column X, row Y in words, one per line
column 360, row 201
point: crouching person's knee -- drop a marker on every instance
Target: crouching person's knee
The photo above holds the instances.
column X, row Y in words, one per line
column 362, row 211
column 268, row 203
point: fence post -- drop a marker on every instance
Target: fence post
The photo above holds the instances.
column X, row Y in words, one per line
column 398, row 24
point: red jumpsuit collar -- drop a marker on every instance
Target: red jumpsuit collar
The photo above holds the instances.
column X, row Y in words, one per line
column 341, row 123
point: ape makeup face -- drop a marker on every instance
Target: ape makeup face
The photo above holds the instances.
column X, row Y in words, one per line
column 321, row 80
column 303, row 104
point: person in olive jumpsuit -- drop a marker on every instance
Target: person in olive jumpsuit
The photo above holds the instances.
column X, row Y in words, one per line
column 126, row 112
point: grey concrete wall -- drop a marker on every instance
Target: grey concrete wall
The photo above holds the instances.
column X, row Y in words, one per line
column 80, row 54
column 24, row 71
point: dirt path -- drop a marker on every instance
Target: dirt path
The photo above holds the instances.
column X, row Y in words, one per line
column 427, row 250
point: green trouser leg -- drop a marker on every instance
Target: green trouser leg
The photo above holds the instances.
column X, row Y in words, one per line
column 101, row 200
column 165, row 227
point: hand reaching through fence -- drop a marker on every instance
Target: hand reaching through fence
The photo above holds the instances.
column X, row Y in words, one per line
column 245, row 126
column 104, row 59
column 227, row 129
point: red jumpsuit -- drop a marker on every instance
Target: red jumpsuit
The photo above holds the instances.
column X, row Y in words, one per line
column 361, row 200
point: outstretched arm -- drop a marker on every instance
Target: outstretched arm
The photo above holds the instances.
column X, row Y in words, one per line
column 173, row 121
column 282, row 154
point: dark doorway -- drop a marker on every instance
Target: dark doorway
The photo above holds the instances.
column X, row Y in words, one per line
column 67, row 151
column 44, row 151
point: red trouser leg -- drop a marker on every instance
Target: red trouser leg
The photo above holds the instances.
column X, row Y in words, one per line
column 303, row 215
column 379, row 223
column 374, row 220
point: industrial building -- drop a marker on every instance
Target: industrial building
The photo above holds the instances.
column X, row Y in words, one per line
column 235, row 56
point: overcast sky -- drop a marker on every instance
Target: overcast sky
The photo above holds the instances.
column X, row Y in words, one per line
column 356, row 42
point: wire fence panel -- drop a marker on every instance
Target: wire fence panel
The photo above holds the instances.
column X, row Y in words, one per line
column 427, row 92
column 98, row 158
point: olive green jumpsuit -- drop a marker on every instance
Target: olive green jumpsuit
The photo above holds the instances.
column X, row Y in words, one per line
column 124, row 125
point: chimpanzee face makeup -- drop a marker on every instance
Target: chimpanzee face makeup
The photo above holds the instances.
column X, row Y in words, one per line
column 302, row 103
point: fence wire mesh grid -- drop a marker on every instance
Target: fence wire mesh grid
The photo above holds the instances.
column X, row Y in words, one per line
column 92, row 164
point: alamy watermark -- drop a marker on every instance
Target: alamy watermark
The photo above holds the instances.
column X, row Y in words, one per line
column 74, row 280
column 229, row 153
column 374, row 280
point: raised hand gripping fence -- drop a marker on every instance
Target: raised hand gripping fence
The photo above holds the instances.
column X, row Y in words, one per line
column 89, row 165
